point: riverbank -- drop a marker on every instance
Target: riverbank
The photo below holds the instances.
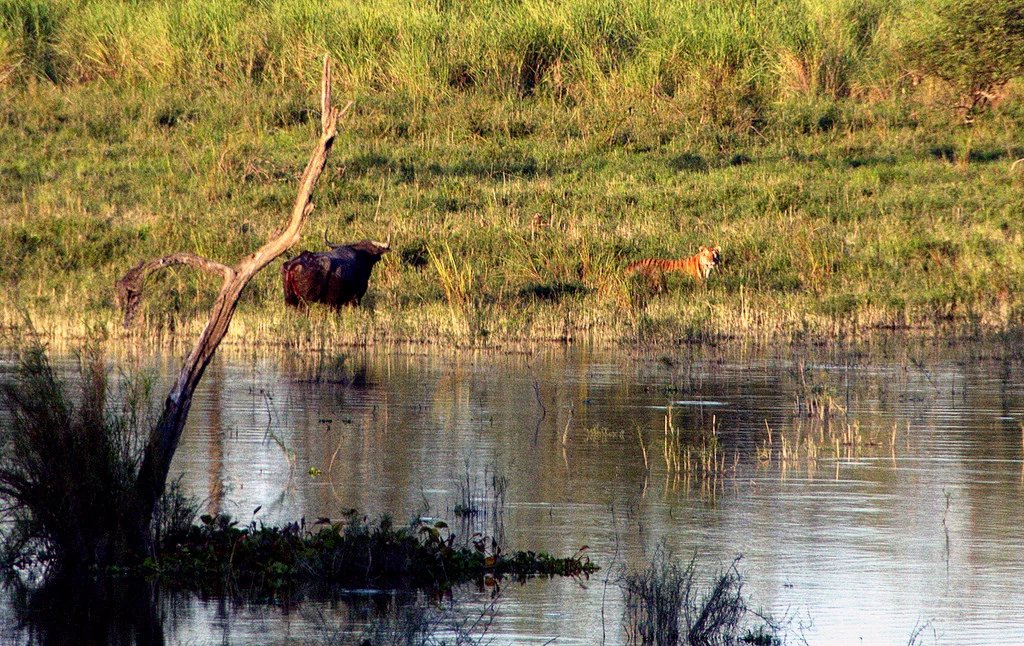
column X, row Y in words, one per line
column 713, row 324
column 513, row 210
column 822, row 235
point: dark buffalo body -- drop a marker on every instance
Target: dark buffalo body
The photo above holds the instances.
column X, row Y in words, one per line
column 336, row 277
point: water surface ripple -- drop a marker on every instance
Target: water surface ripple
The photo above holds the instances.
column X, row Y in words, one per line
column 902, row 507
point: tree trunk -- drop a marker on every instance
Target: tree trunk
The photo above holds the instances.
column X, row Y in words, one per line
column 163, row 439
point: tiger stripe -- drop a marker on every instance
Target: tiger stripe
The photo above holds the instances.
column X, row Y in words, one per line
column 697, row 266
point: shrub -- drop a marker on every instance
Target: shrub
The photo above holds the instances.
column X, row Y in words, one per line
column 977, row 46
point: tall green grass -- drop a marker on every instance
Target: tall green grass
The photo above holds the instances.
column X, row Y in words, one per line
column 733, row 49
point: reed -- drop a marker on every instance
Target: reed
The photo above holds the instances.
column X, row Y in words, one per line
column 55, row 524
column 665, row 604
column 694, row 458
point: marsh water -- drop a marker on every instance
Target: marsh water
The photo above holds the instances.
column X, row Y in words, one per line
column 870, row 492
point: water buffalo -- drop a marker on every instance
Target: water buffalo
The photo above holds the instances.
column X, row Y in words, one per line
column 336, row 277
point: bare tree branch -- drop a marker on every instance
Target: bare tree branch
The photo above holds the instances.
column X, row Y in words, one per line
column 129, row 288
column 163, row 440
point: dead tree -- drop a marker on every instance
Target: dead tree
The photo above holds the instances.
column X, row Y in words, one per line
column 163, row 439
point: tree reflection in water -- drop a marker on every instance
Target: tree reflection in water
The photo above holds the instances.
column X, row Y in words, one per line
column 90, row 611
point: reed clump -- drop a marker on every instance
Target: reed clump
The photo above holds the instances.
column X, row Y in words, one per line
column 668, row 604
column 69, row 457
column 70, row 449
column 694, row 457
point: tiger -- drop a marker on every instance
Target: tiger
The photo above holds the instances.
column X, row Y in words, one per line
column 698, row 266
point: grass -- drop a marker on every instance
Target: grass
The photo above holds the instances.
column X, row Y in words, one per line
column 571, row 48
column 520, row 156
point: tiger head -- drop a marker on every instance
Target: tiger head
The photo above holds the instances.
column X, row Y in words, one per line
column 709, row 258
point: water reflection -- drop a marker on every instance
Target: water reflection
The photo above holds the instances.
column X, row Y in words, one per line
column 900, row 503
column 123, row 612
column 130, row 612
column 215, row 439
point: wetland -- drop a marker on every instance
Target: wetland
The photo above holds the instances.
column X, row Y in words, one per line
column 870, row 493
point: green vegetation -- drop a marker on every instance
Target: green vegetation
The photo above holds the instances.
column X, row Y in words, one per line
column 519, row 154
column 217, row 556
column 976, row 46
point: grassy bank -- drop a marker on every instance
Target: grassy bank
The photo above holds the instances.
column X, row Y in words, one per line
column 519, row 156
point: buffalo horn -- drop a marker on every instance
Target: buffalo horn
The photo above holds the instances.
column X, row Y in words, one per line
column 326, row 241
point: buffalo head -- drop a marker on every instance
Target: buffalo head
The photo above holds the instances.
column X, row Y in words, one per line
column 336, row 277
